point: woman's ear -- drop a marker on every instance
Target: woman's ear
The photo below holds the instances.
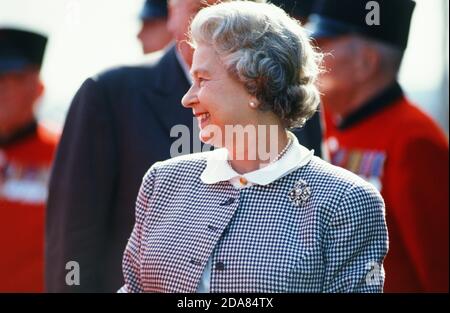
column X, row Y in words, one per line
column 253, row 103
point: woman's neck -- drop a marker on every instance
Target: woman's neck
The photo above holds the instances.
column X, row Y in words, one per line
column 256, row 153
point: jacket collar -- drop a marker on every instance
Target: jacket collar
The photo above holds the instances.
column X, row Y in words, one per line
column 183, row 66
column 24, row 132
column 218, row 169
column 170, row 73
column 164, row 86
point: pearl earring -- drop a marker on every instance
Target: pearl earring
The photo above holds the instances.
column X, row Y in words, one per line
column 253, row 104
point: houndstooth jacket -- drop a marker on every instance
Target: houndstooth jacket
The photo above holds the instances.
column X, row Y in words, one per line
column 261, row 238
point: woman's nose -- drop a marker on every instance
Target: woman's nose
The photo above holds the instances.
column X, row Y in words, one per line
column 190, row 98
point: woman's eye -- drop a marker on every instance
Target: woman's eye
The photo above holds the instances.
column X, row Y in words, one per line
column 201, row 81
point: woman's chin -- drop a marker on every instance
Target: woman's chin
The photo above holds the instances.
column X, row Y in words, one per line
column 206, row 139
column 211, row 135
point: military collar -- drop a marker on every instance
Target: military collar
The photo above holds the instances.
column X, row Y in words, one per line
column 20, row 134
column 387, row 97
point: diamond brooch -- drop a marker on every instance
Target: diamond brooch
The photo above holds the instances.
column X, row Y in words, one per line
column 300, row 193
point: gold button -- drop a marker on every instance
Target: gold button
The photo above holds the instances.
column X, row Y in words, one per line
column 243, row 181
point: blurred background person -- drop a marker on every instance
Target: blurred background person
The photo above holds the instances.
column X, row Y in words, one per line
column 26, row 151
column 153, row 33
column 374, row 130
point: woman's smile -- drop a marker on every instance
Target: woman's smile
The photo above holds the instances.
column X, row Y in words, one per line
column 203, row 119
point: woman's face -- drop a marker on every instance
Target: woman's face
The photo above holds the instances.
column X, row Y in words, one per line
column 216, row 98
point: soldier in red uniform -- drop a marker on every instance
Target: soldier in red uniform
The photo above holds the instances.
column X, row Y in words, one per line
column 26, row 152
column 373, row 130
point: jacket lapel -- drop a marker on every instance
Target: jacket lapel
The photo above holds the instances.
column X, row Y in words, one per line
column 165, row 93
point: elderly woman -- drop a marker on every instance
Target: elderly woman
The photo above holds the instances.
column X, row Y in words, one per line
column 235, row 219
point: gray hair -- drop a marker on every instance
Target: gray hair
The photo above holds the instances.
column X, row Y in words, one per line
column 268, row 51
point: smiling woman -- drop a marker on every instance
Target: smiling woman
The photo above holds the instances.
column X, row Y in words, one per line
column 226, row 220
column 212, row 79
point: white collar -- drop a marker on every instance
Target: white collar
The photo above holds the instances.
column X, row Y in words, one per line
column 218, row 169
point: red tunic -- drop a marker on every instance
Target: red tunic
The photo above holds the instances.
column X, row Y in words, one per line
column 24, row 173
column 404, row 153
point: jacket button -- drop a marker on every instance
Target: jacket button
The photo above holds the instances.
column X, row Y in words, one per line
column 196, row 262
column 220, row 266
column 212, row 228
column 243, row 181
column 228, row 202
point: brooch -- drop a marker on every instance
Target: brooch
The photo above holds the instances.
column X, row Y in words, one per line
column 300, row 193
